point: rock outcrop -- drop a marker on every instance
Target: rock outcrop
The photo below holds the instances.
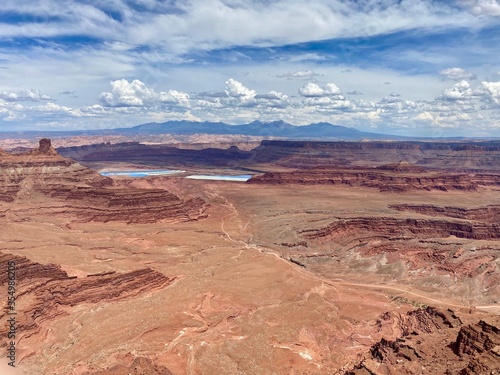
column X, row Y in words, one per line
column 384, row 180
column 84, row 195
column 421, row 345
column 45, row 291
column 481, row 343
column 396, row 228
column 44, row 148
column 488, row 214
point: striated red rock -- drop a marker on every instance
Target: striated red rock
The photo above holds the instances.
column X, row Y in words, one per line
column 406, row 157
column 382, row 180
column 126, row 204
column 26, row 269
column 84, row 194
column 488, row 214
column 49, row 290
column 481, row 341
column 394, row 227
column 24, row 174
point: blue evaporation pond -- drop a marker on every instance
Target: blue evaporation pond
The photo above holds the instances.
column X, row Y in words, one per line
column 141, row 173
column 239, row 178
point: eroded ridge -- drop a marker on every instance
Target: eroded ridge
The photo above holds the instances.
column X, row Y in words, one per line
column 395, row 227
column 384, row 180
column 487, row 214
column 45, row 291
column 419, row 342
column 83, row 194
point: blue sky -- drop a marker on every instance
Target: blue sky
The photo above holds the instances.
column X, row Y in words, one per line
column 390, row 66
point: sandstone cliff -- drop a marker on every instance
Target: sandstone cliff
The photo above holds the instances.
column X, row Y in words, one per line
column 384, row 180
column 396, row 228
column 70, row 189
column 488, row 214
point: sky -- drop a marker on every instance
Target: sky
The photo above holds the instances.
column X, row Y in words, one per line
column 407, row 67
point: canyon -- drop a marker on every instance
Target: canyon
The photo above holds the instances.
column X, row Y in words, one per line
column 334, row 258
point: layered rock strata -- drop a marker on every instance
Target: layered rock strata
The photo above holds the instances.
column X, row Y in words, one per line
column 481, row 343
column 410, row 228
column 379, row 179
column 45, row 291
column 487, row 214
column 84, row 194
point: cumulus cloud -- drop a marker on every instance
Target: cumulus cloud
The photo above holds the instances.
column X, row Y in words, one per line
column 490, row 91
column 460, row 106
column 237, row 95
column 27, row 95
column 311, row 89
column 327, row 102
column 459, row 91
column 137, row 94
column 236, row 89
column 457, row 74
column 127, row 94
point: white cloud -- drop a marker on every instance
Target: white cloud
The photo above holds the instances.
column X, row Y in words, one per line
column 180, row 27
column 327, row 102
column 460, row 107
column 137, row 94
column 457, row 74
column 490, row 91
column 236, row 89
column 460, row 90
column 127, row 94
column 311, row 89
column 26, row 95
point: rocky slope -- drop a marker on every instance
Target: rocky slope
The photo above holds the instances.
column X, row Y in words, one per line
column 45, row 293
column 71, row 189
column 480, row 342
column 420, row 345
column 382, row 179
column 488, row 214
column 410, row 228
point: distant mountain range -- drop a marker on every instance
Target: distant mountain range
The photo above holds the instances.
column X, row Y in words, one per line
column 277, row 129
column 256, row 128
